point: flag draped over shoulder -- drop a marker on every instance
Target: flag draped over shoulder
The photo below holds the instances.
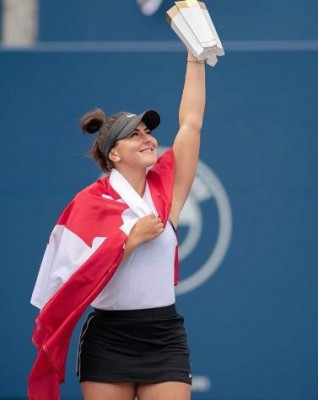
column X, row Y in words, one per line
column 84, row 250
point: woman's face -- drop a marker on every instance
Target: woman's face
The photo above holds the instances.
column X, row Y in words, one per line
column 137, row 150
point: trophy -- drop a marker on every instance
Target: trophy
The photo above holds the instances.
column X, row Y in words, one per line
column 192, row 22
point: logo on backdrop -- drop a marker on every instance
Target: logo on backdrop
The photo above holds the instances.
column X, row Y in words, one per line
column 207, row 192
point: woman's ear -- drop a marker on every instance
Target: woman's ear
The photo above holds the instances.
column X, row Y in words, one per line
column 114, row 156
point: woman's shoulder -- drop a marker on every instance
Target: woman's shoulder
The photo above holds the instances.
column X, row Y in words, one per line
column 95, row 200
column 101, row 188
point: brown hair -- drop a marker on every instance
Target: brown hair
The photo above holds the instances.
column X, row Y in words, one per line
column 97, row 122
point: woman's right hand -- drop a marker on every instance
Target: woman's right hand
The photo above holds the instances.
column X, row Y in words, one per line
column 145, row 229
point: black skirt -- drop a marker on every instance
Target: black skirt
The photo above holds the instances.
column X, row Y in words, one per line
column 140, row 346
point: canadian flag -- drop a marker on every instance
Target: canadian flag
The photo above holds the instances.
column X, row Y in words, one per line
column 84, row 250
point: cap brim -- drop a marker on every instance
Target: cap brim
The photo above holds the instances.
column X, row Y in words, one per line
column 150, row 117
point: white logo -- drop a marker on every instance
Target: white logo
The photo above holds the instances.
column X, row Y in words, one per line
column 207, row 192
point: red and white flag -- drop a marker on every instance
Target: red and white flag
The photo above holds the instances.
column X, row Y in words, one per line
column 84, row 250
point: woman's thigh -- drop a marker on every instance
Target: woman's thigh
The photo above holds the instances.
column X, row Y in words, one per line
column 108, row 391
column 164, row 391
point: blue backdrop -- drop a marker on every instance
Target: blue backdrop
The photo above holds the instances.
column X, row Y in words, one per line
column 252, row 325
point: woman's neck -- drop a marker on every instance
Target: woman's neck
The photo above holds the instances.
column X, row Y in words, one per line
column 137, row 179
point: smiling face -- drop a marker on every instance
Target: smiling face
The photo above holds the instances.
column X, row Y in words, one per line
column 138, row 150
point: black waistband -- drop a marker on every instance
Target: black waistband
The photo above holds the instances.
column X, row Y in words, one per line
column 158, row 312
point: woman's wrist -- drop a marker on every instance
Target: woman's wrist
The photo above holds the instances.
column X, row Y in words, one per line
column 196, row 61
column 191, row 58
column 130, row 246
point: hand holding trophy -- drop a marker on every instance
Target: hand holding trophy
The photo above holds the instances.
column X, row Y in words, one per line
column 192, row 22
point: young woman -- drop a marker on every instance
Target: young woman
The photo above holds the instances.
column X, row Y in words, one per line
column 134, row 342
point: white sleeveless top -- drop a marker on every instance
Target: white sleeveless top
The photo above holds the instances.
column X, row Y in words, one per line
column 146, row 278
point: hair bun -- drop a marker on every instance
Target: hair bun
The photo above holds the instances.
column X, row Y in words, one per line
column 93, row 121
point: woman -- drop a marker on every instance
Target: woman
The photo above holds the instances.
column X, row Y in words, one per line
column 134, row 343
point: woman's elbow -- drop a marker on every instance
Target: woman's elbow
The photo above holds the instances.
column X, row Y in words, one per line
column 192, row 124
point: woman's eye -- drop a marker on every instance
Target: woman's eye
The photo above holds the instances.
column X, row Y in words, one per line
column 136, row 133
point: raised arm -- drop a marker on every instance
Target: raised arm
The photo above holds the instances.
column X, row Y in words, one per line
column 187, row 142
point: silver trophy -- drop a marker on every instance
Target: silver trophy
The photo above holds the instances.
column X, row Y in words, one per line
column 192, row 22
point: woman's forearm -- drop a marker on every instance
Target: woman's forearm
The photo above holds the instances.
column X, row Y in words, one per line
column 193, row 96
column 187, row 141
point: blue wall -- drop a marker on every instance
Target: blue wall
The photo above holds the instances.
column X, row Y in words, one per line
column 253, row 325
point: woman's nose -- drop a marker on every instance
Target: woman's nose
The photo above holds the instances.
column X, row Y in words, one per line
column 146, row 138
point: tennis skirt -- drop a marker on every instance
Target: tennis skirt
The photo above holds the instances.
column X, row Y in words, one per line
column 140, row 346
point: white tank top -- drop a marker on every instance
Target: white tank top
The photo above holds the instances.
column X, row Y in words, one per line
column 146, row 278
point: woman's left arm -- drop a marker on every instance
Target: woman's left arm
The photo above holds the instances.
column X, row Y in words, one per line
column 187, row 141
